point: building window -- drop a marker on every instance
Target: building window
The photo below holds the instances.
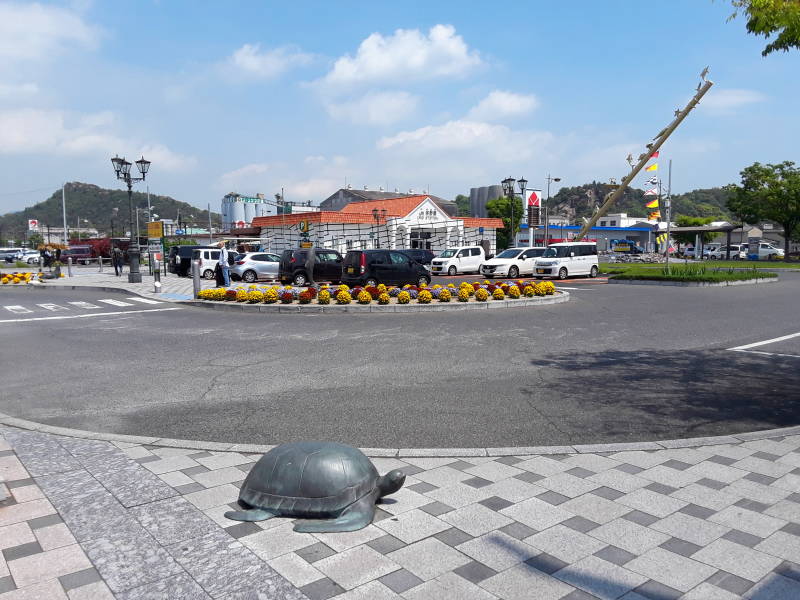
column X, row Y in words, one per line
column 613, row 223
column 602, row 223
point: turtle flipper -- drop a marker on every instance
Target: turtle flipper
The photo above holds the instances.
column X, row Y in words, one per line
column 356, row 516
column 253, row 514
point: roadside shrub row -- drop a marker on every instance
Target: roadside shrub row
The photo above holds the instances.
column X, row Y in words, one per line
column 687, row 272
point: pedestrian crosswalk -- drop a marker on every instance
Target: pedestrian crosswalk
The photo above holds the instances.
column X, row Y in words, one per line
column 78, row 305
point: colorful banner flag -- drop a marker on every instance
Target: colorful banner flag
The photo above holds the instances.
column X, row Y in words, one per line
column 662, row 238
column 653, row 167
column 651, row 192
column 652, row 204
column 655, row 215
column 653, row 180
column 654, row 154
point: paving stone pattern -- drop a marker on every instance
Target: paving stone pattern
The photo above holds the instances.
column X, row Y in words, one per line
column 90, row 519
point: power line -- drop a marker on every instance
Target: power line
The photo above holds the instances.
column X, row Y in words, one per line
column 57, row 186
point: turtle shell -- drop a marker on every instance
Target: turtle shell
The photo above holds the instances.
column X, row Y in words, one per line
column 309, row 479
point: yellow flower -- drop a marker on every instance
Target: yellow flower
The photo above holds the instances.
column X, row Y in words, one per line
column 384, row 298
column 498, row 294
column 345, row 298
column 481, row 295
column 444, row 295
column 324, row 296
column 403, row 298
column 513, row 292
column 424, row 297
column 364, row 297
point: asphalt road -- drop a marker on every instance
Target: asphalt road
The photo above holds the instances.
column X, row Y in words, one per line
column 616, row 363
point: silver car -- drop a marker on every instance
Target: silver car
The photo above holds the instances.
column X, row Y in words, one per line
column 253, row 266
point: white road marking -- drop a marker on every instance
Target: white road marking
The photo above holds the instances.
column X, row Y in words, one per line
column 115, row 302
column 759, row 352
column 103, row 314
column 144, row 300
column 15, row 308
column 772, row 341
column 86, row 305
column 52, row 307
column 561, row 287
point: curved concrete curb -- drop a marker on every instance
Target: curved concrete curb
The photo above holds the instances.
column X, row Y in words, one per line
column 377, row 308
column 691, row 283
column 412, row 452
column 95, row 288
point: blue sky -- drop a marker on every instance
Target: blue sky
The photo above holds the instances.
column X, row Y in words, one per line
column 258, row 96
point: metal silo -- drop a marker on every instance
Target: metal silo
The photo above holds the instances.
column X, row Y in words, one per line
column 249, row 211
column 237, row 213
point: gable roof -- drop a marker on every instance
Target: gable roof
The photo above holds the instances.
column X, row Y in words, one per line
column 394, row 207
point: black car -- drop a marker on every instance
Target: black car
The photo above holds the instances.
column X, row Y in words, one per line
column 179, row 260
column 327, row 266
column 423, row 257
column 392, row 267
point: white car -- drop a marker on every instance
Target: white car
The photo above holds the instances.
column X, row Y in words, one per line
column 29, row 256
column 566, row 259
column 512, row 262
column 455, row 261
column 738, row 252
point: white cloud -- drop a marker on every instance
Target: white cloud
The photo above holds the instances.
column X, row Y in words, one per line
column 500, row 104
column 55, row 132
column 36, row 31
column 315, row 189
column 15, row 90
column 406, row 55
column 727, row 101
column 251, row 60
column 244, row 173
column 375, row 108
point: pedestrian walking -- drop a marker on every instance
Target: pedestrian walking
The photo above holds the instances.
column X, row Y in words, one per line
column 116, row 259
column 224, row 265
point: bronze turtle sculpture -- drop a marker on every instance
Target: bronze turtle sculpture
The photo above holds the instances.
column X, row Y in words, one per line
column 332, row 485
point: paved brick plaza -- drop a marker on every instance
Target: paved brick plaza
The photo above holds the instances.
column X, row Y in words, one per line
column 96, row 519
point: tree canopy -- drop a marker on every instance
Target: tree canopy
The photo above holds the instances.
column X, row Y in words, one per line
column 689, row 238
column 780, row 18
column 771, row 193
column 501, row 208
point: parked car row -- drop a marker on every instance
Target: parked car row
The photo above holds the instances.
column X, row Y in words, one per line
column 393, row 267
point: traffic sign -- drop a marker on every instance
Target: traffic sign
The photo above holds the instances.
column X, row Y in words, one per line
column 179, row 232
column 480, row 229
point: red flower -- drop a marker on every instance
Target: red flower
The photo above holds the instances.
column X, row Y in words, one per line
column 312, row 291
column 286, row 297
column 476, row 285
column 305, row 297
column 230, row 294
column 373, row 291
column 492, row 287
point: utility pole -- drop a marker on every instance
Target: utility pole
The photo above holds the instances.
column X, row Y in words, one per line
column 659, row 140
column 64, row 212
column 668, row 209
column 209, row 220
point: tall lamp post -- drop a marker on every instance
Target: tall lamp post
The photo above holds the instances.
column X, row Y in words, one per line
column 510, row 193
column 546, row 206
column 376, row 214
column 123, row 170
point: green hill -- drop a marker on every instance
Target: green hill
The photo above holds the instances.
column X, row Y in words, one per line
column 96, row 205
column 582, row 200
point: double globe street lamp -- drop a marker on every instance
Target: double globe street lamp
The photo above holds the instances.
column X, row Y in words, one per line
column 123, row 170
column 510, row 192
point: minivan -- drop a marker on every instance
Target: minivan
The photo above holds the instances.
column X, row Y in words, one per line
column 465, row 259
column 78, row 254
column 566, row 259
column 179, row 260
column 208, row 261
column 390, row 267
column 327, row 266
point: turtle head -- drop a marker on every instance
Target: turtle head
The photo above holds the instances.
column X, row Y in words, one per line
column 391, row 482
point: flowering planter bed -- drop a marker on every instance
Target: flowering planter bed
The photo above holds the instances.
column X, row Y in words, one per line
column 382, row 298
column 22, row 277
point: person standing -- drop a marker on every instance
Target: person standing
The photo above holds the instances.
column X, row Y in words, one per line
column 224, row 265
column 116, row 259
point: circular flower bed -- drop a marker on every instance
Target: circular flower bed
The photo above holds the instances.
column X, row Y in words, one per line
column 380, row 294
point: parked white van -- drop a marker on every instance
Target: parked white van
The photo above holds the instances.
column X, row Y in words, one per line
column 208, row 261
column 567, row 259
column 466, row 259
column 767, row 251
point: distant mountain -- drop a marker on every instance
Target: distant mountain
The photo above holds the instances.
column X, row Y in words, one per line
column 96, row 205
column 582, row 200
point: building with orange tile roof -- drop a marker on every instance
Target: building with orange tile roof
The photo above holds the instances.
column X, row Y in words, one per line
column 404, row 222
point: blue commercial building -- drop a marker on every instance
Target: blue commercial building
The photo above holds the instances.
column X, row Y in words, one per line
column 641, row 236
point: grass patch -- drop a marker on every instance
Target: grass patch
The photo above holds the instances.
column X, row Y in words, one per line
column 686, row 272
